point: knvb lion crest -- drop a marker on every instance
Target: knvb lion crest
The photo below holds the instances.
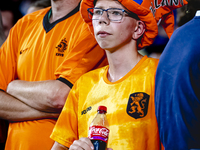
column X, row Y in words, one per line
column 62, row 46
column 138, row 105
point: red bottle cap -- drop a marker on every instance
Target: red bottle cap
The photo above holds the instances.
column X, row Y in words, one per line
column 104, row 108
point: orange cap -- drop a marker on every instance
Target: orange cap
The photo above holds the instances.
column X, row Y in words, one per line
column 146, row 11
column 143, row 13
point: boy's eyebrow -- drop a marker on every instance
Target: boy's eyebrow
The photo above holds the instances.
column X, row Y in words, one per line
column 107, row 7
column 96, row 6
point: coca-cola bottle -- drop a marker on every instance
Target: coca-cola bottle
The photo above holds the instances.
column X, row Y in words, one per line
column 99, row 129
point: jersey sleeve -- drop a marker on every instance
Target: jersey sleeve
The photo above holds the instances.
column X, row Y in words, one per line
column 84, row 55
column 66, row 128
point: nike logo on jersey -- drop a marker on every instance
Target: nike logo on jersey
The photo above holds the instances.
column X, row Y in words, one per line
column 138, row 105
column 62, row 46
column 22, row 51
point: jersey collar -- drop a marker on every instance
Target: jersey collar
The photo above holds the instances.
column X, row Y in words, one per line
column 48, row 26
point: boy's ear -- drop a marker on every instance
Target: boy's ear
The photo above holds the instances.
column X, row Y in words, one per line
column 139, row 30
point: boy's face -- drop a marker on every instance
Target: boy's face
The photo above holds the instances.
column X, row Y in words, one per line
column 112, row 35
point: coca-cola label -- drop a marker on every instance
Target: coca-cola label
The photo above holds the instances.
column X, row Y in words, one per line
column 98, row 133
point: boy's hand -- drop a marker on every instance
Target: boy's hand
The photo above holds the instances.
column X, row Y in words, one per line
column 83, row 143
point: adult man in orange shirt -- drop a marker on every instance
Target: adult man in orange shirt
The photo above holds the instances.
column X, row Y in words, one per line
column 47, row 51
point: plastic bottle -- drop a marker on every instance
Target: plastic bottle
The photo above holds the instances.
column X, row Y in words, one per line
column 99, row 129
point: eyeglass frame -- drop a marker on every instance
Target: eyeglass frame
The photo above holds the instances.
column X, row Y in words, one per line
column 130, row 14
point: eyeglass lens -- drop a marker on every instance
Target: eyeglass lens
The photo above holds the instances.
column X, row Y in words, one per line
column 113, row 14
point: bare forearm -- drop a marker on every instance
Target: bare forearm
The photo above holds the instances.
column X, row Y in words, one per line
column 14, row 110
column 47, row 96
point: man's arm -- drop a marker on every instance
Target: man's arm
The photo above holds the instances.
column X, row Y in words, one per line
column 47, row 96
column 14, row 110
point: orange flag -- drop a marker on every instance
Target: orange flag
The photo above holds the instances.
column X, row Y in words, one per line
column 163, row 12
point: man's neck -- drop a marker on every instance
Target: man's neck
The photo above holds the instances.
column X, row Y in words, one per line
column 61, row 8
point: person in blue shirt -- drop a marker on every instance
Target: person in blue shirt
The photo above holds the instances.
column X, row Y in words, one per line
column 177, row 88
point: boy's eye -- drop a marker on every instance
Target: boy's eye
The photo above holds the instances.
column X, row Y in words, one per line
column 116, row 13
column 97, row 12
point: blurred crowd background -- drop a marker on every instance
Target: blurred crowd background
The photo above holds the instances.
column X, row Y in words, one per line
column 12, row 10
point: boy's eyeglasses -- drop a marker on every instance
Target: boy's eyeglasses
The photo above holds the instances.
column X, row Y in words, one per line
column 113, row 14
